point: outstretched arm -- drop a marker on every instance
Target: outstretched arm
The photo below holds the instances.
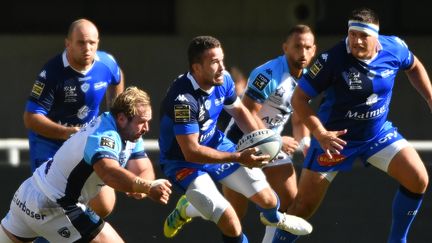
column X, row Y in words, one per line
column 123, row 180
column 329, row 140
column 419, row 78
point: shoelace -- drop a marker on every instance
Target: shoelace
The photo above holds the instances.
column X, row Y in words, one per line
column 172, row 219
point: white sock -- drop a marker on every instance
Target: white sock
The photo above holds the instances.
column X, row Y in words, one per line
column 192, row 212
column 269, row 233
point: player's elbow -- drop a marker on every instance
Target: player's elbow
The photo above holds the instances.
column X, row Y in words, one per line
column 27, row 119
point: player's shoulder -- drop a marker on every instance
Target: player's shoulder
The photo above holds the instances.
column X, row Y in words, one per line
column 105, row 57
column 392, row 42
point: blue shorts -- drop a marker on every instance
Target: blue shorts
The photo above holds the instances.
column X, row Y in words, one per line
column 181, row 173
column 317, row 160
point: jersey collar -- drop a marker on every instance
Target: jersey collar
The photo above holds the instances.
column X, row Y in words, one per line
column 196, row 86
column 67, row 64
column 379, row 48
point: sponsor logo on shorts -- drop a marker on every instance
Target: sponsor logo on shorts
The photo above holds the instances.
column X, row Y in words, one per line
column 323, row 160
column 107, row 142
column 27, row 211
column 37, row 89
column 223, row 167
column 183, row 173
column 182, row 113
column 64, row 232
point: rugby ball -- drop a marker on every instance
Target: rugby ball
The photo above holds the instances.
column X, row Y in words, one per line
column 266, row 140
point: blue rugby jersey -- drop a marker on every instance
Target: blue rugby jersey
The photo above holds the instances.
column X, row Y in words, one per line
column 187, row 109
column 357, row 94
column 68, row 97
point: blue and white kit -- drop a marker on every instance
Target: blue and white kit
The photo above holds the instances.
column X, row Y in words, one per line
column 357, row 96
column 272, row 86
column 53, row 201
column 68, row 97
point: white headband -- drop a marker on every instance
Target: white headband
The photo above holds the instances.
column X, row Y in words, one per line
column 368, row 28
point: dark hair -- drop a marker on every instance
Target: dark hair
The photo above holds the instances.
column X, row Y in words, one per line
column 299, row 29
column 198, row 46
column 365, row 15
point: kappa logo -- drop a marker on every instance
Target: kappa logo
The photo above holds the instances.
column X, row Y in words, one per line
column 64, row 232
column 83, row 112
column 43, row 74
column 181, row 98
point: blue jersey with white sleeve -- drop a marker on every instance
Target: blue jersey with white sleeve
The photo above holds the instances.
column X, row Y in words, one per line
column 271, row 85
column 357, row 93
column 69, row 177
column 187, row 109
column 68, row 97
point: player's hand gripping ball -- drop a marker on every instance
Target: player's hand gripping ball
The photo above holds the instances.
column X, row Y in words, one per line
column 266, row 140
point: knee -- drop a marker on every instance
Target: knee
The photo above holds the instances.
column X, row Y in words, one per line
column 422, row 183
column 229, row 223
column 303, row 208
column 265, row 199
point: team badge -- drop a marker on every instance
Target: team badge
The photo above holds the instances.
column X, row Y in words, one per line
column 260, row 81
column 37, row 89
column 314, row 69
column 182, row 113
column 107, row 142
column 85, row 87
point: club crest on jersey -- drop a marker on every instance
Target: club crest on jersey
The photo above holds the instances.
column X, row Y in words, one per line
column 107, row 142
column 182, row 113
column 353, row 80
column 260, row 81
column 37, row 89
column 85, row 87
column 315, row 69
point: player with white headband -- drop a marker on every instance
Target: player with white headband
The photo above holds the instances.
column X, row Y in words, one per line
column 357, row 77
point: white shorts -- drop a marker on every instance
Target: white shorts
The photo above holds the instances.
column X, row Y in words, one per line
column 32, row 214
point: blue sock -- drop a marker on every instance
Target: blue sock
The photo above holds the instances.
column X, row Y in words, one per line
column 271, row 214
column 41, row 240
column 405, row 207
column 283, row 236
column 239, row 239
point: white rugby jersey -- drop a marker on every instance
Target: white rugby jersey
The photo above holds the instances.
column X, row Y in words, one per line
column 69, row 177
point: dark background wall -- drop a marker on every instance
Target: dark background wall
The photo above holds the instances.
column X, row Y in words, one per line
column 149, row 40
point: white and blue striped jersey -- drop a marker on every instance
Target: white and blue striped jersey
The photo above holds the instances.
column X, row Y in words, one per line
column 271, row 85
column 68, row 97
column 69, row 177
column 357, row 93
